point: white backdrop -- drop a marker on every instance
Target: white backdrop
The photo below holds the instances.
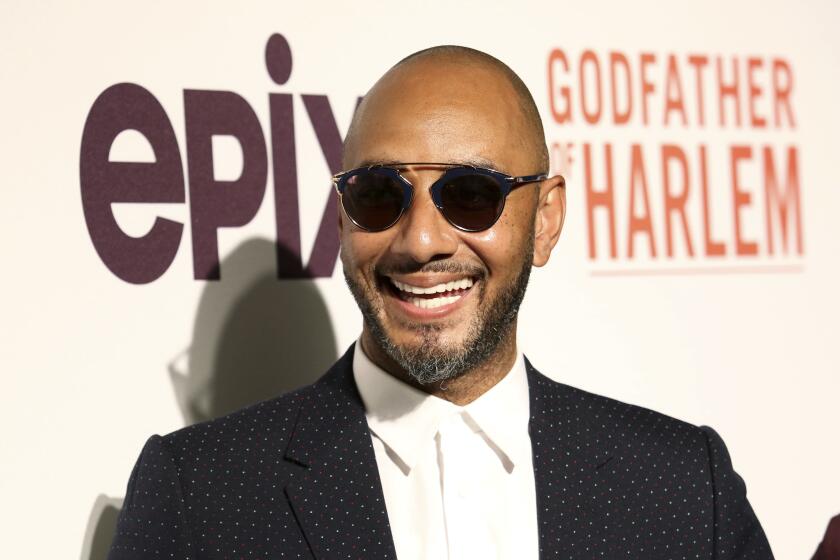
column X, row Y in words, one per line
column 92, row 365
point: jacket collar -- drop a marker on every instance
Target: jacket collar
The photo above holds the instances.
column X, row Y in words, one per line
column 338, row 500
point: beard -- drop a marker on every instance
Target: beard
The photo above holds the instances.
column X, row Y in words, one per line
column 431, row 360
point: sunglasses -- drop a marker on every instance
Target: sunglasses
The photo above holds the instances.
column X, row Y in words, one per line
column 471, row 198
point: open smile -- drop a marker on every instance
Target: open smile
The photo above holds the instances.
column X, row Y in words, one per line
column 429, row 296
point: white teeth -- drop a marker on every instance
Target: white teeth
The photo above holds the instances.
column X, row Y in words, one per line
column 432, row 303
column 462, row 284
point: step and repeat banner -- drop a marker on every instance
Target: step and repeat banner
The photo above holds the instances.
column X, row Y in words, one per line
column 170, row 253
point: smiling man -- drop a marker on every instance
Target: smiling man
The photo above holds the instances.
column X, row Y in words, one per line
column 433, row 436
column 440, row 288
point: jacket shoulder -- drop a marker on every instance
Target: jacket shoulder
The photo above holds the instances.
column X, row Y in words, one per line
column 182, row 482
column 268, row 421
column 648, row 459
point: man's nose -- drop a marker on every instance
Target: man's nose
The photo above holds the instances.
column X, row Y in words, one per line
column 424, row 234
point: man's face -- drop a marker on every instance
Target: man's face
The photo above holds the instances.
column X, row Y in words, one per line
column 466, row 115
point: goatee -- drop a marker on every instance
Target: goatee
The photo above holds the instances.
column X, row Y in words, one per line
column 430, row 361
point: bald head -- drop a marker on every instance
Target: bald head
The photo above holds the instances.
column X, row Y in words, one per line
column 470, row 88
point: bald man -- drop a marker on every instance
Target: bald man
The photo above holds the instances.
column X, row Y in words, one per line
column 433, row 436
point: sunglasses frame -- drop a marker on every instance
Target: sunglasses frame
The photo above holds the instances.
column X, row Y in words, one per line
column 507, row 183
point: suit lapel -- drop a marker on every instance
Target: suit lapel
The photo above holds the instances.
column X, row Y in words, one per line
column 567, row 454
column 338, row 500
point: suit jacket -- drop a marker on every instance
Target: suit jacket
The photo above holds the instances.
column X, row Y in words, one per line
column 296, row 477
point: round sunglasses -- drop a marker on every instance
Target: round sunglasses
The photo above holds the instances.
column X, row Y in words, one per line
column 471, row 198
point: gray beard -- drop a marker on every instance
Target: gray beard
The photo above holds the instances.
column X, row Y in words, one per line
column 428, row 362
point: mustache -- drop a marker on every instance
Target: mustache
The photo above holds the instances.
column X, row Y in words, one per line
column 449, row 267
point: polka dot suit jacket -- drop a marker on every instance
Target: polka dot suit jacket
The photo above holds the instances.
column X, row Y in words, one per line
column 296, row 477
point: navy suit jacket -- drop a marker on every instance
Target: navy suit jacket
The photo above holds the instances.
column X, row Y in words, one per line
column 296, row 477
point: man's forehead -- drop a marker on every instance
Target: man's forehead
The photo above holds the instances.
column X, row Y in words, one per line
column 442, row 81
column 456, row 141
column 453, row 102
column 443, row 110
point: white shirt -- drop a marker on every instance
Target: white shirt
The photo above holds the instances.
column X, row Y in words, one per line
column 458, row 480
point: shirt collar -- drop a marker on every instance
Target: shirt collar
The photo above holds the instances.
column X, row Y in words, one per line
column 406, row 418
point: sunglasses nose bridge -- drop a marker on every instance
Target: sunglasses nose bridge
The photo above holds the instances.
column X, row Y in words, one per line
column 418, row 182
column 428, row 181
column 424, row 201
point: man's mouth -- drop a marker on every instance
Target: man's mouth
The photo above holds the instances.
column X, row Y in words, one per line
column 431, row 297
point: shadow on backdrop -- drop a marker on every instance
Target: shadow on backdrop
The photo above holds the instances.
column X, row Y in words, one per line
column 100, row 528
column 254, row 337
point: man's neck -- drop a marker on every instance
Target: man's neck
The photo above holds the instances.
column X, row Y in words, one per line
column 460, row 390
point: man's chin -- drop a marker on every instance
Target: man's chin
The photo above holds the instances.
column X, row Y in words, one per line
column 426, row 353
column 442, row 336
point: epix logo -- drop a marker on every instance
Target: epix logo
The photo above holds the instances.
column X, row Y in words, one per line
column 213, row 203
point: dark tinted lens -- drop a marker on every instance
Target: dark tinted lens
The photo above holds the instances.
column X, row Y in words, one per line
column 373, row 199
column 472, row 202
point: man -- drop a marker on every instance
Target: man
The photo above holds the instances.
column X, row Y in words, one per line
column 433, row 437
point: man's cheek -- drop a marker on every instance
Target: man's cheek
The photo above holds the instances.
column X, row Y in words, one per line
column 487, row 238
column 350, row 259
column 344, row 255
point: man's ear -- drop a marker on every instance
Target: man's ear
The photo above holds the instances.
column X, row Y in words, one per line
column 549, row 218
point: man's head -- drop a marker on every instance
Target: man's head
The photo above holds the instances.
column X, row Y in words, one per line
column 449, row 105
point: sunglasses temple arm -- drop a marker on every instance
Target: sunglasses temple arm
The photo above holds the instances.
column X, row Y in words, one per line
column 516, row 182
column 529, row 179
